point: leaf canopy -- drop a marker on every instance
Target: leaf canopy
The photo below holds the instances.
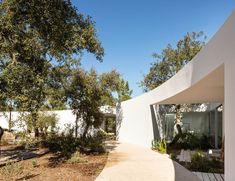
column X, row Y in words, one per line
column 171, row 60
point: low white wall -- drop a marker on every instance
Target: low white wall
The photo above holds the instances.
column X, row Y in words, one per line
column 64, row 117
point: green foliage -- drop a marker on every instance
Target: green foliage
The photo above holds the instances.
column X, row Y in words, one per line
column 110, row 124
column 11, row 170
column 30, row 142
column 21, row 135
column 123, row 91
column 45, row 28
column 38, row 40
column 84, row 95
column 24, row 88
column 57, row 81
column 94, row 143
column 172, row 156
column 19, row 83
column 192, row 141
column 159, row 146
column 189, row 141
column 66, row 145
column 204, row 142
column 32, row 34
column 199, row 162
column 76, row 158
column 171, row 60
column 34, row 163
column 112, row 83
column 86, row 92
column 46, row 122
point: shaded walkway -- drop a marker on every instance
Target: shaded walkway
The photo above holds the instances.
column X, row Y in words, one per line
column 135, row 163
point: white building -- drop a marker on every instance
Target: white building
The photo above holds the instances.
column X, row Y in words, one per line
column 65, row 117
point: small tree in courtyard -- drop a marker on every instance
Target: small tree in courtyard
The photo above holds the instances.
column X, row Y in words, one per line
column 85, row 98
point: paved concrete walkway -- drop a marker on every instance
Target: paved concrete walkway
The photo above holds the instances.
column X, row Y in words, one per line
column 128, row 162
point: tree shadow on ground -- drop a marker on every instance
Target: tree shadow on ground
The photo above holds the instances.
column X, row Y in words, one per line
column 27, row 177
column 56, row 160
column 18, row 154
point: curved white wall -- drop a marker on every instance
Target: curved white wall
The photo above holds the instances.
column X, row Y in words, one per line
column 209, row 77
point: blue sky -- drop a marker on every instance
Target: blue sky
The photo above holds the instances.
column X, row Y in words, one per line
column 132, row 30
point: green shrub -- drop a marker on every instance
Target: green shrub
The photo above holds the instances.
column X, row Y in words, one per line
column 21, row 135
column 172, row 156
column 34, row 163
column 107, row 135
column 199, row 162
column 204, row 142
column 45, row 123
column 159, row 146
column 192, row 141
column 94, row 143
column 76, row 158
column 30, row 142
column 65, row 144
column 189, row 141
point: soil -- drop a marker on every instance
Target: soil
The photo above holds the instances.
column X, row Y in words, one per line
column 50, row 167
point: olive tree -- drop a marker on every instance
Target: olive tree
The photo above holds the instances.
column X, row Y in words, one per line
column 172, row 59
column 35, row 36
column 88, row 91
column 169, row 62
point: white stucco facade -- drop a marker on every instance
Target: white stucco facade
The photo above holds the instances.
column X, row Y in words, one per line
column 209, row 77
column 65, row 117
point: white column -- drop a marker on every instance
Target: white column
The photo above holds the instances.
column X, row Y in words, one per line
column 229, row 113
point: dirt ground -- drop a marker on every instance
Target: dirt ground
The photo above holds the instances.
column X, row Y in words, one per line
column 50, row 167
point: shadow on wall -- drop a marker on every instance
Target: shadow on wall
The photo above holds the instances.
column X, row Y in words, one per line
column 156, row 133
column 119, row 117
column 157, row 114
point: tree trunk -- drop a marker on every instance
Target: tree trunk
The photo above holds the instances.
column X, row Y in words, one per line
column 36, row 132
column 36, row 129
column 1, row 133
column 85, row 131
column 76, row 126
column 178, row 122
column 14, row 61
column 10, row 121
